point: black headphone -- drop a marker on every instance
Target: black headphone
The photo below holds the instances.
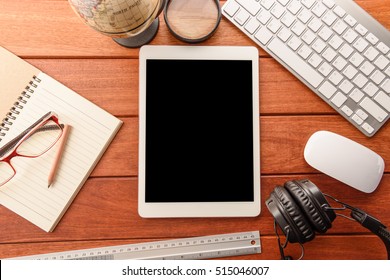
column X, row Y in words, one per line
column 300, row 209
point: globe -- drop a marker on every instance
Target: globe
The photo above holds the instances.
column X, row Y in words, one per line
column 131, row 23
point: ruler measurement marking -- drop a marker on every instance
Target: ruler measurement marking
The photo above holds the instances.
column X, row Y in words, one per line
column 230, row 244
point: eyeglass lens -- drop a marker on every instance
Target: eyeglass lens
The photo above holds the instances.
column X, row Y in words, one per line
column 40, row 141
column 192, row 19
column 6, row 172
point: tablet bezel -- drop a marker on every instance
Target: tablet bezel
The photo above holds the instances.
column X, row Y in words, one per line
column 198, row 209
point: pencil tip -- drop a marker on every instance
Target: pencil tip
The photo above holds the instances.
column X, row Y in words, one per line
column 48, row 186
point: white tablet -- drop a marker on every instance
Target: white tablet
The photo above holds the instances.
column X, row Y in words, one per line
column 199, row 136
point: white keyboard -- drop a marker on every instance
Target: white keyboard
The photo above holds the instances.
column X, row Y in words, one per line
column 333, row 46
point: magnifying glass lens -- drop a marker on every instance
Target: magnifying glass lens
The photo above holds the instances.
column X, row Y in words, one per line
column 192, row 20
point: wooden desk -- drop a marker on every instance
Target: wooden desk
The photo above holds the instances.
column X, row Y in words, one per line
column 50, row 36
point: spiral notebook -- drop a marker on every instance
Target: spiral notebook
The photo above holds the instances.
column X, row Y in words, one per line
column 26, row 94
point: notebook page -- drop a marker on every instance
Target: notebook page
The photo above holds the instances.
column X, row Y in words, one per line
column 92, row 129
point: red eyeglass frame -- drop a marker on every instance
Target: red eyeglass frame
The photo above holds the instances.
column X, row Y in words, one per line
column 12, row 146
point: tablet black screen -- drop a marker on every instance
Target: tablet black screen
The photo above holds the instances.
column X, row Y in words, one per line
column 199, row 131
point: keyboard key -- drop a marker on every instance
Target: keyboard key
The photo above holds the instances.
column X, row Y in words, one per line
column 252, row 25
column 378, row 77
column 329, row 3
column 357, row 119
column 356, row 95
column 283, row 2
column 350, row 36
column 367, row 68
column 339, row 63
column 250, row 5
column 264, row 16
column 370, row 89
column 350, row 20
column 346, row 86
column 383, row 48
column 360, row 81
column 329, row 54
column 368, row 128
column 294, row 7
column 329, row 18
column 231, row 8
column 381, row 62
column 308, row 3
column 319, row 9
column 386, row 86
column 325, row 33
column 383, row 99
column 305, row 51
column 315, row 24
column 277, row 10
column 325, row 69
column 289, row 57
column 347, row 110
column 241, row 17
column 371, row 53
column 288, row 19
column 327, row 89
column 263, row 35
column 304, row 16
column 373, row 109
column 339, row 27
column 267, row 3
column 360, row 44
column 363, row 115
column 308, row 37
column 284, row 34
column 346, row 50
column 298, row 28
column 387, row 72
column 319, row 45
column 274, row 25
column 315, row 60
column 350, row 72
column 339, row 99
column 361, row 29
column 339, row 11
column 335, row 42
column 372, row 38
column 294, row 43
column 335, row 78
column 356, row 59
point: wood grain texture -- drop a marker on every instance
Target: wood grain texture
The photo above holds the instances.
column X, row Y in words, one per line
column 42, row 28
column 51, row 37
column 335, row 247
column 107, row 209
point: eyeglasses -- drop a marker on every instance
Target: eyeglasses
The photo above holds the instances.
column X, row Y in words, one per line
column 33, row 142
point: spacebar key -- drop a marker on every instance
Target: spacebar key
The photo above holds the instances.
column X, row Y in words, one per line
column 289, row 57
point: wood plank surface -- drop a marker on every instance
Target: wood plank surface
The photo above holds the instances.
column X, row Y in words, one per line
column 340, row 247
column 47, row 28
column 49, row 35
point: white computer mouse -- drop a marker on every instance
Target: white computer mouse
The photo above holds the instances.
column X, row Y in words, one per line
column 344, row 160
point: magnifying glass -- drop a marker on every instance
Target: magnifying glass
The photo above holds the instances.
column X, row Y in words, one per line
column 192, row 21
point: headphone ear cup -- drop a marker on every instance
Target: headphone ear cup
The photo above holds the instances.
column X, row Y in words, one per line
column 289, row 217
column 309, row 205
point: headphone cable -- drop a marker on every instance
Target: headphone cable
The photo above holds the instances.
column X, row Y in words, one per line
column 281, row 247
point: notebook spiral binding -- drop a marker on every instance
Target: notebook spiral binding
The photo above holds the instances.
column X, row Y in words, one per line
column 18, row 105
